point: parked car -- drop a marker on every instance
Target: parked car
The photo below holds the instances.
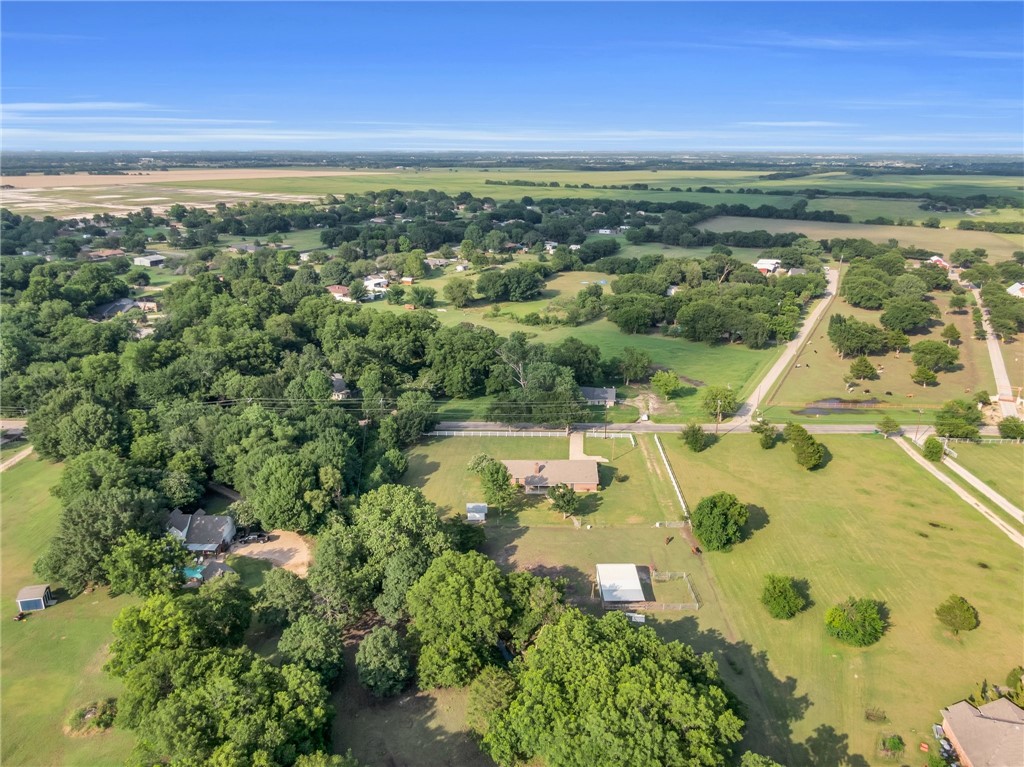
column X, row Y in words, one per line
column 255, row 538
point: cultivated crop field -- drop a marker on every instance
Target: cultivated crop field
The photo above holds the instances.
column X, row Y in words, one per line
column 821, row 372
column 999, row 246
column 52, row 662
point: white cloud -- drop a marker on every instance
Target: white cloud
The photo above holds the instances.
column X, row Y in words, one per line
column 78, row 106
column 796, row 124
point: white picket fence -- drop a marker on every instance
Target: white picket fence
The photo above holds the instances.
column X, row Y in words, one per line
column 531, row 433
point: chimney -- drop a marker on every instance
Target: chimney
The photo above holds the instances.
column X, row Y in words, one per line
column 536, row 468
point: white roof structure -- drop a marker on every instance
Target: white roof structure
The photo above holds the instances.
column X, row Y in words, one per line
column 620, row 583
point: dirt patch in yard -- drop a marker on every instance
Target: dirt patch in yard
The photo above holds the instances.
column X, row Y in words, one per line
column 284, row 549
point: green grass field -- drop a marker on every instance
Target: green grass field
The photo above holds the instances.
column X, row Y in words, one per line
column 871, row 523
column 1013, row 357
column 821, row 372
column 51, row 663
column 999, row 466
column 999, row 246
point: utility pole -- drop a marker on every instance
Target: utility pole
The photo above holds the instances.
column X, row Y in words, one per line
column 718, row 418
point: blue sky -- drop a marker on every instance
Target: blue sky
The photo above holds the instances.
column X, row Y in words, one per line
column 937, row 77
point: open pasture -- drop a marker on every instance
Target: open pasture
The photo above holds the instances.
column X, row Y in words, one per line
column 52, row 662
column 1000, row 466
column 870, row 523
column 817, row 373
column 999, row 246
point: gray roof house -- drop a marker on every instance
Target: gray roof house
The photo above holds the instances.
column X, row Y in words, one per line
column 595, row 395
column 990, row 736
column 201, row 532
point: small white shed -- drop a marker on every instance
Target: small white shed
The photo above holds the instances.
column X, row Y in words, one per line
column 476, row 512
column 33, row 598
column 620, row 583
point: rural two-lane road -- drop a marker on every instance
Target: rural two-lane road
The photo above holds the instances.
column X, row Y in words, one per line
column 1007, row 404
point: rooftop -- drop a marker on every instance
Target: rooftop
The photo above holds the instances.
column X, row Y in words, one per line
column 620, row 583
column 990, row 736
column 547, row 473
column 33, row 592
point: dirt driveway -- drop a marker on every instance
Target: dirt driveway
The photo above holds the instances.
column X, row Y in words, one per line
column 284, row 549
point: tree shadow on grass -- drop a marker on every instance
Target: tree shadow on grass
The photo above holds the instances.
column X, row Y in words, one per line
column 769, row 704
column 826, row 458
column 420, row 469
column 590, row 503
column 803, row 588
column 757, row 520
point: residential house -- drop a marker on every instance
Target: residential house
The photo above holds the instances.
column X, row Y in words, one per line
column 550, row 245
column 121, row 305
column 939, row 261
column 341, row 293
column 339, row 389
column 1016, row 290
column 106, row 253
column 408, row 280
column 795, row 271
column 607, row 231
column 149, row 260
column 376, row 283
column 595, row 395
column 767, row 265
column 201, row 532
column 989, row 736
column 539, row 476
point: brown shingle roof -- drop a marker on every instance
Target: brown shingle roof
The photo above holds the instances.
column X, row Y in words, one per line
column 546, row 473
column 990, row 736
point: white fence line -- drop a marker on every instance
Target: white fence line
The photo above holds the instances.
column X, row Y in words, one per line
column 672, row 476
column 529, row 433
column 982, row 440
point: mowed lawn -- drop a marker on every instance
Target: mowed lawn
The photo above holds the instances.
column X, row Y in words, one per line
column 1000, row 466
column 51, row 663
column 999, row 246
column 869, row 524
column 633, row 491
column 820, row 372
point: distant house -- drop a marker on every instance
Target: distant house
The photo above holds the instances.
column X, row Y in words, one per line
column 106, row 253
column 201, row 532
column 939, row 261
column 408, row 280
column 1016, row 290
column 33, row 598
column 339, row 389
column 767, row 265
column 461, row 268
column 550, row 245
column 595, row 395
column 243, row 248
column 376, row 283
column 607, row 231
column 540, row 476
column 149, row 260
column 672, row 290
column 122, row 305
column 575, row 247
column 795, row 271
column 476, row 512
column 438, row 263
column 990, row 736
column 341, row 293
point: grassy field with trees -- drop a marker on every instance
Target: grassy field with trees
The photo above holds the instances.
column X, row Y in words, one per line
column 51, row 663
column 998, row 466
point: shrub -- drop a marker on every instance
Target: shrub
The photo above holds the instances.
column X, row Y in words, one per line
column 933, row 449
column 1011, row 428
column 862, row 369
column 856, row 622
column 695, row 438
column 781, row 598
column 718, row 521
column 98, row 715
column 809, row 452
column 957, row 614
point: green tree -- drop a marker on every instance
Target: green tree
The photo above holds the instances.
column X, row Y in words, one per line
column 396, row 295
column 957, row 303
column 634, row 364
column 184, row 482
column 719, row 402
column 924, row 376
column 142, row 565
column 283, row 597
column 780, row 597
column 809, row 452
column 863, row 370
column 279, row 493
column 934, row 355
column 856, row 622
column 958, row 418
column 695, row 437
column 564, row 500
column 423, row 295
column 665, row 383
column 457, row 611
column 382, row 662
column 951, row 334
column 1011, row 427
column 768, row 433
column 887, row 425
column 933, row 449
column 957, row 614
column 496, row 482
column 687, row 719
column 458, row 291
column 313, row 643
column 906, row 313
column 718, row 521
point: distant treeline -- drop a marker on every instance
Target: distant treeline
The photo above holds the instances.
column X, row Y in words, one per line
column 1001, row 227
